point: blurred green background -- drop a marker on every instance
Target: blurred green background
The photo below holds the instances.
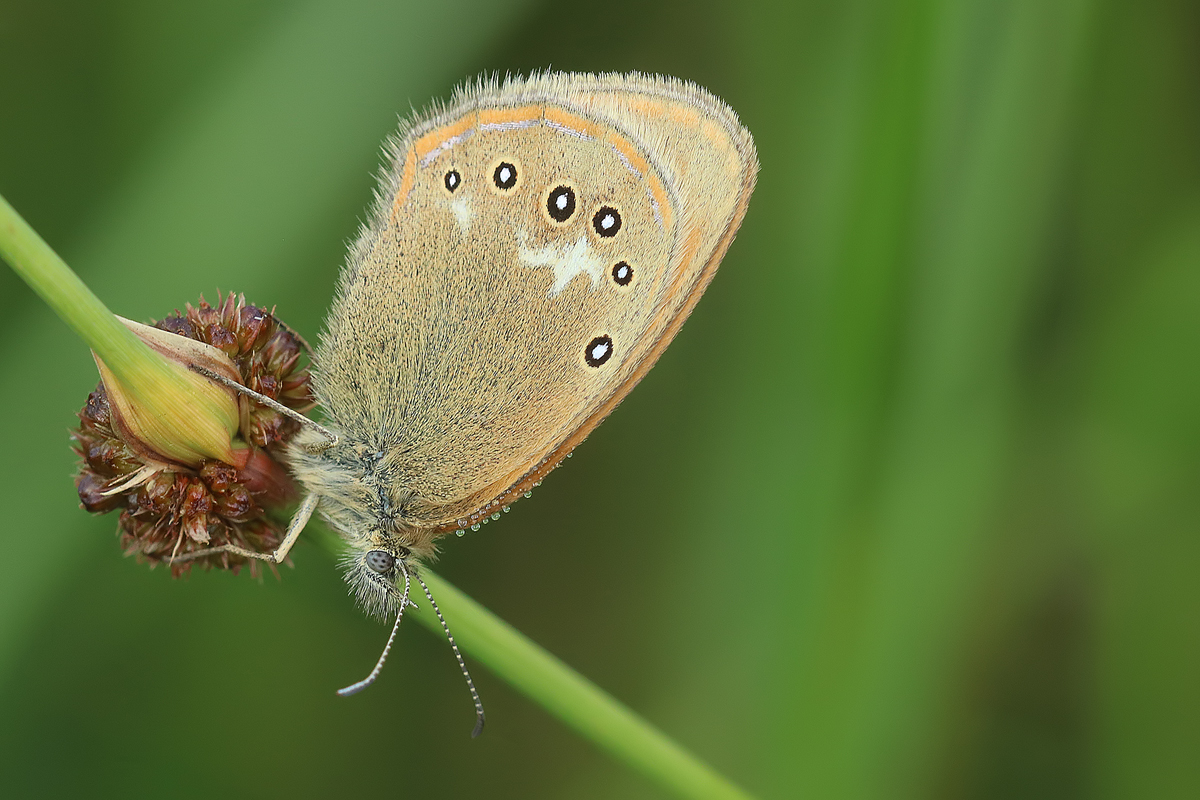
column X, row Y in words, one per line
column 909, row 509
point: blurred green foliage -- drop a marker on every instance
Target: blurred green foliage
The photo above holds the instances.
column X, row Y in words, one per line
column 909, row 509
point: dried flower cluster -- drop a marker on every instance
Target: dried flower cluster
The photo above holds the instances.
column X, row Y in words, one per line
column 170, row 508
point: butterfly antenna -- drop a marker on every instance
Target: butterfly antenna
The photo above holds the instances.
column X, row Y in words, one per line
column 479, row 718
column 355, row 688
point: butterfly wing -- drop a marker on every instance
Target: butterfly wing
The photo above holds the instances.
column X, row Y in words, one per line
column 534, row 249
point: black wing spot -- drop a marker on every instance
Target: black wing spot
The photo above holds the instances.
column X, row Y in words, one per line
column 505, row 175
column 607, row 221
column 560, row 204
column 598, row 351
column 622, row 273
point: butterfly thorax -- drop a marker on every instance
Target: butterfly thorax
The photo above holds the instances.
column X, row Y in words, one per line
column 362, row 500
column 362, row 495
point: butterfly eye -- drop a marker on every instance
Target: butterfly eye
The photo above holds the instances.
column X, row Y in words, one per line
column 380, row 560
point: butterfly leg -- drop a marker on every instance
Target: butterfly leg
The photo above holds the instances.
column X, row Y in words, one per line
column 330, row 436
column 299, row 520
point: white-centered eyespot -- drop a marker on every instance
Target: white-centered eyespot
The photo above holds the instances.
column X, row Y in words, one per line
column 452, row 180
column 598, row 351
column 505, row 175
column 560, row 203
column 607, row 221
column 622, row 273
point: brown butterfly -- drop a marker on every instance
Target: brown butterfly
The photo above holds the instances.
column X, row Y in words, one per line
column 533, row 248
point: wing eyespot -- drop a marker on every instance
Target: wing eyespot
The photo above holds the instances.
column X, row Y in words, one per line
column 598, row 351
column 622, row 273
column 560, row 203
column 606, row 222
column 506, row 175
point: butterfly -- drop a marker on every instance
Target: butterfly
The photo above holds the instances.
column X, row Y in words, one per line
column 533, row 248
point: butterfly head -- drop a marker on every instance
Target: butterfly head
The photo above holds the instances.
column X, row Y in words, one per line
column 376, row 574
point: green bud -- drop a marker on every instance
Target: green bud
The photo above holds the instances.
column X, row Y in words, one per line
column 164, row 410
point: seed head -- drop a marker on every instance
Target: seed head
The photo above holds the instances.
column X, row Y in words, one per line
column 178, row 486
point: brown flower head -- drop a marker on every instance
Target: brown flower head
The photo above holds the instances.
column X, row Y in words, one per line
column 173, row 504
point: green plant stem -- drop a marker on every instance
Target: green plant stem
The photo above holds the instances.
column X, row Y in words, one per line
column 571, row 697
column 178, row 413
column 531, row 670
column 55, row 282
column 562, row 691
